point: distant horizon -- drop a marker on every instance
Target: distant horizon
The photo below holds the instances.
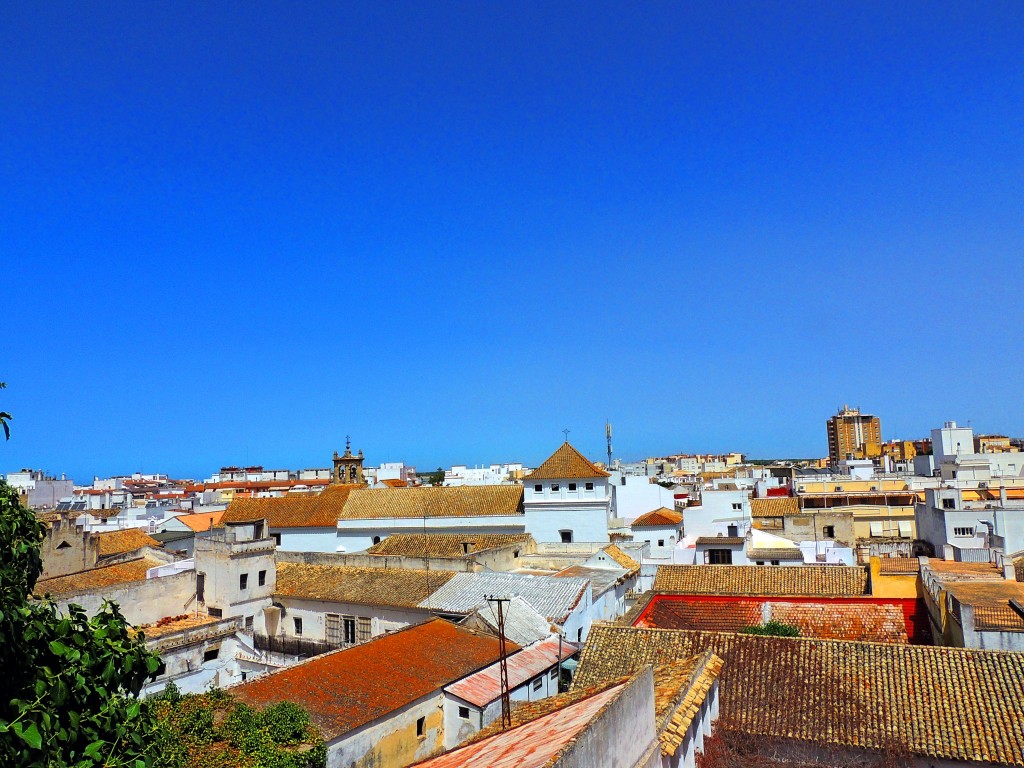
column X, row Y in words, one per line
column 430, row 467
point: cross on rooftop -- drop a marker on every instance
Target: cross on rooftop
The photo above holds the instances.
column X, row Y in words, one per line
column 566, row 433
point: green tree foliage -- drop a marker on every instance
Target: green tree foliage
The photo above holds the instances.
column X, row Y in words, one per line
column 773, row 628
column 69, row 682
column 213, row 730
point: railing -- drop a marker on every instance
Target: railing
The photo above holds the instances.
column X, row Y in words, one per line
column 971, row 555
column 296, row 646
column 192, row 635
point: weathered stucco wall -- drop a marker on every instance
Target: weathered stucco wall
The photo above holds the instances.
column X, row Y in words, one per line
column 392, row 740
column 141, row 602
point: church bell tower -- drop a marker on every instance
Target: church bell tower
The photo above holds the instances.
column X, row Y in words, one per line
column 348, row 469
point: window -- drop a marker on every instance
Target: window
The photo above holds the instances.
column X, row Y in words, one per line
column 949, row 503
column 661, row 542
column 515, row 553
column 364, row 628
column 421, row 728
column 376, row 539
column 349, row 625
column 566, row 536
column 829, row 531
column 737, row 505
column 160, row 670
column 248, row 624
column 201, row 587
column 555, row 487
column 588, row 486
column 554, row 674
column 298, row 625
column 211, row 653
column 538, row 488
column 963, row 532
column 775, row 562
column 464, row 713
column 277, row 539
column 579, row 635
column 718, row 557
column 572, row 486
column 333, row 628
column 243, row 581
column 215, row 612
column 262, row 578
column 538, row 683
column 759, row 562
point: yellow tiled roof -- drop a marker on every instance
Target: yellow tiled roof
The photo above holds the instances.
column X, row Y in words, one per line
column 105, row 576
column 777, row 506
column 434, row 501
column 788, row 580
column 125, row 540
column 402, row 587
column 445, row 544
column 943, row 703
column 621, row 558
column 293, row 510
column 566, row 463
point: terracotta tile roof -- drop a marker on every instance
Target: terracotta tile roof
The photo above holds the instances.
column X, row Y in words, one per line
column 772, row 553
column 349, row 688
column 201, row 521
column 893, row 565
column 679, row 692
column 395, row 483
column 622, row 558
column 566, row 464
column 945, row 703
column 483, row 687
column 534, row 744
column 754, row 580
column 125, row 540
column 777, row 506
column 446, row 544
column 434, row 501
column 95, row 578
column 399, row 587
column 660, row 516
column 294, row 510
column 997, row 618
column 710, row 541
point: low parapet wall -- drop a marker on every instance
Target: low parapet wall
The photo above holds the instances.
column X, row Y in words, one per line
column 361, row 560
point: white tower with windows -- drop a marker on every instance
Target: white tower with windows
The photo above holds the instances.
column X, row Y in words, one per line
column 567, row 499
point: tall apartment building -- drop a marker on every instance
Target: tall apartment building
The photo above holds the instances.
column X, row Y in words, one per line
column 852, row 433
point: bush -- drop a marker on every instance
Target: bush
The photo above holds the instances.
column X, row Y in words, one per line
column 773, row 628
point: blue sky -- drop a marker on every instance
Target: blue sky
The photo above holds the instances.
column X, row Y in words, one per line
column 236, row 233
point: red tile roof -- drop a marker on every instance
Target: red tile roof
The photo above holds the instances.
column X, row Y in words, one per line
column 833, row 620
column 485, row 686
column 660, row 516
column 346, row 689
column 566, row 463
column 533, row 745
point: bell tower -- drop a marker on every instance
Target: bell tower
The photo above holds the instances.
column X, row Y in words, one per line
column 348, row 468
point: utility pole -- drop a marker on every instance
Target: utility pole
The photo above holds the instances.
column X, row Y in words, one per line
column 506, row 705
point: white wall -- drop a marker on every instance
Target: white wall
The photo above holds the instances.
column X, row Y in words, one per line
column 314, row 622
column 307, row 539
column 639, row 496
column 716, row 513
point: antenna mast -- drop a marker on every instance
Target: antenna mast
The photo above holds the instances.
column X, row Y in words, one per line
column 608, row 437
column 506, row 705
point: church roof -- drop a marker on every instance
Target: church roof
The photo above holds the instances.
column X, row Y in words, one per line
column 564, row 463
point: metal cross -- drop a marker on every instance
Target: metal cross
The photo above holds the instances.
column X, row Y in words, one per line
column 566, row 433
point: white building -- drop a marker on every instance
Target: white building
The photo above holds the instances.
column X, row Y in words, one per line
column 567, row 499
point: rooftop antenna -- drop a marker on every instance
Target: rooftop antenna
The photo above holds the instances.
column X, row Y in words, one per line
column 506, row 705
column 608, row 437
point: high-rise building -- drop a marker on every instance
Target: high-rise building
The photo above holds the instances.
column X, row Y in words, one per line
column 853, row 434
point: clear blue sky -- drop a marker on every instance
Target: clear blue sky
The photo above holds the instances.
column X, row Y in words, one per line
column 237, row 232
